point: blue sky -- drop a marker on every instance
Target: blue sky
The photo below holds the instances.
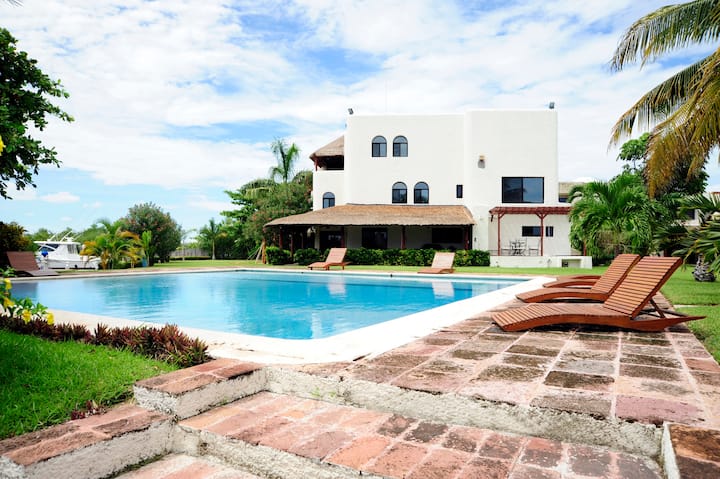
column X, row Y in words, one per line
column 176, row 101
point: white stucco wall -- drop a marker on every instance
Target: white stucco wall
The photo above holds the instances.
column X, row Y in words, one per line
column 444, row 151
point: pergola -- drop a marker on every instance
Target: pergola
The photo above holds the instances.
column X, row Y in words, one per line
column 539, row 211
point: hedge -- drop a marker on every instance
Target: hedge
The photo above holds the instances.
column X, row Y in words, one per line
column 389, row 257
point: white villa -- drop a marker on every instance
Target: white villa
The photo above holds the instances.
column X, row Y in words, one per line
column 481, row 180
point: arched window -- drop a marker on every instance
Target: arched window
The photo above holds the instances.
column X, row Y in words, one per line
column 379, row 147
column 399, row 193
column 422, row 193
column 328, row 200
column 400, row 146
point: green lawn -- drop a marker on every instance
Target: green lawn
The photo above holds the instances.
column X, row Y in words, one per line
column 42, row 381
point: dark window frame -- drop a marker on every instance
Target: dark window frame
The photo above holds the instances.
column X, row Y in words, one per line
column 379, row 147
column 458, row 191
column 514, row 189
column 397, row 188
column 328, row 200
column 374, row 238
column 418, row 197
column 400, row 147
column 530, row 231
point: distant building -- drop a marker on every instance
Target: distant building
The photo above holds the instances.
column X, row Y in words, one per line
column 480, row 180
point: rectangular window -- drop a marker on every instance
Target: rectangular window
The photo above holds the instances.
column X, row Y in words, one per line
column 531, row 231
column 458, row 191
column 447, row 235
column 374, row 238
column 399, row 195
column 549, row 231
column 400, row 149
column 516, row 189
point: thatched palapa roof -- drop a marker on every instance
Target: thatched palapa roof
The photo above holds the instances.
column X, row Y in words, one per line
column 380, row 215
column 334, row 149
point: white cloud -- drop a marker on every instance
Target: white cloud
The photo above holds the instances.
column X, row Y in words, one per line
column 60, row 197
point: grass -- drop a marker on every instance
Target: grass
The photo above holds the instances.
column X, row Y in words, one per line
column 699, row 299
column 43, row 381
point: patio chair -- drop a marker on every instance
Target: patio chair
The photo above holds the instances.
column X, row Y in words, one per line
column 442, row 263
column 336, row 257
column 620, row 265
column 23, row 262
column 599, row 291
column 625, row 308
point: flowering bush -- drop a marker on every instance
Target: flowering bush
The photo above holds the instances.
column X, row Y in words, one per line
column 23, row 308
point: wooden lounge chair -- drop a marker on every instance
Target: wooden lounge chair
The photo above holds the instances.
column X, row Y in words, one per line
column 620, row 265
column 336, row 257
column 23, row 262
column 623, row 309
column 442, row 263
column 599, row 291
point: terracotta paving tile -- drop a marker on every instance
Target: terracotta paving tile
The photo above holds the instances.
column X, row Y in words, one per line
column 709, row 365
column 441, row 464
column 638, row 468
column 590, row 461
column 522, row 471
column 585, row 366
column 526, row 361
column 491, row 344
column 469, row 354
column 136, row 422
column 213, row 416
column 286, row 438
column 398, row 460
column 509, row 373
column 502, row 446
column 361, row 420
column 570, row 380
column 511, row 392
column 650, row 360
column 658, row 389
column 707, row 379
column 696, row 443
column 234, row 371
column 395, row 426
column 375, row 373
column 360, row 451
column 426, row 432
column 575, row 354
column 486, row 468
column 533, row 350
column 34, row 438
column 230, row 425
column 398, row 360
column 596, row 404
column 217, row 364
column 656, row 411
column 431, row 381
column 651, row 372
column 256, row 432
column 542, row 341
column 447, row 366
column 692, row 468
column 542, row 453
column 53, row 447
column 322, row 444
column 465, row 439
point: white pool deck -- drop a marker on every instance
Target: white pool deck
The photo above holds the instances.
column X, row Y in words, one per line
column 368, row 341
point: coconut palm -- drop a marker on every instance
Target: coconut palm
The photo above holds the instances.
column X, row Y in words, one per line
column 704, row 242
column 286, row 156
column 210, row 233
column 114, row 246
column 684, row 110
column 608, row 218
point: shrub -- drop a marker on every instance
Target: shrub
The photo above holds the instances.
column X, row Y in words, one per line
column 278, row 256
column 307, row 256
column 472, row 257
column 364, row 256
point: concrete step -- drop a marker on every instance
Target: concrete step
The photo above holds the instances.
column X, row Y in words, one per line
column 180, row 466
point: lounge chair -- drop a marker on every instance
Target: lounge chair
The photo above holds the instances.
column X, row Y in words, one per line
column 625, row 308
column 336, row 257
column 23, row 262
column 620, row 265
column 442, row 263
column 599, row 291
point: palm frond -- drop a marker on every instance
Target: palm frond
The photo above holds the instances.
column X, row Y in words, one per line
column 666, row 29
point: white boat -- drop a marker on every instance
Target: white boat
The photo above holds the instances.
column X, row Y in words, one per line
column 64, row 254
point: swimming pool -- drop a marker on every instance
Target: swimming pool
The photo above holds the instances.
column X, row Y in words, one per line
column 285, row 305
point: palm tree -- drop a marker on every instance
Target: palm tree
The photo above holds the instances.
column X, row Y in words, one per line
column 210, row 234
column 705, row 240
column 684, row 110
column 286, row 157
column 114, row 246
column 608, row 218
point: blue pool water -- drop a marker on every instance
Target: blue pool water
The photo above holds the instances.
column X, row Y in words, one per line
column 273, row 304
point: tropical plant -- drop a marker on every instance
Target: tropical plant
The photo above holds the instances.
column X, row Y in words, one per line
column 12, row 238
column 210, row 234
column 609, row 218
column 115, row 246
column 704, row 241
column 23, row 106
column 147, row 247
column 684, row 110
column 166, row 233
column 286, row 156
